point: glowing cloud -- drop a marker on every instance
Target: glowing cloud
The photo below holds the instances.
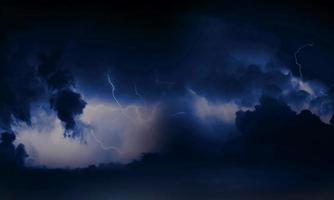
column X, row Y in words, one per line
column 107, row 136
column 222, row 111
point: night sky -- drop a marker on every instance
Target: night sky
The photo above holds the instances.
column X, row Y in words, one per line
column 133, row 89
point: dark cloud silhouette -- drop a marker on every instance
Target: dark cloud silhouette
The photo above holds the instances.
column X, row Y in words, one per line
column 7, row 150
column 67, row 104
column 19, row 86
column 274, row 127
column 272, row 133
column 11, row 156
column 20, row 155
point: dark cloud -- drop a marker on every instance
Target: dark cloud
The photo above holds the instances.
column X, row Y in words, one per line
column 67, row 104
column 220, row 57
column 271, row 133
column 61, row 79
column 273, row 127
column 19, row 86
column 11, row 156
column 22, row 84
column 182, row 72
column 60, row 82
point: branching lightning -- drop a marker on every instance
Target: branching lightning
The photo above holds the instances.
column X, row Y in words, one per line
column 296, row 58
column 139, row 117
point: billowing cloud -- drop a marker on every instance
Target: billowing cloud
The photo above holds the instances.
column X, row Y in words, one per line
column 60, row 83
column 229, row 66
column 19, row 86
column 274, row 129
column 131, row 130
column 68, row 105
column 109, row 134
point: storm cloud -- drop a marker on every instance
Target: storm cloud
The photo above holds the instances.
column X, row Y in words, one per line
column 274, row 128
column 178, row 81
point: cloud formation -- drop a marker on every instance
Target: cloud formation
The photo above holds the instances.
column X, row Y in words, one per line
column 102, row 125
column 274, row 129
column 19, row 86
column 64, row 100
column 184, row 89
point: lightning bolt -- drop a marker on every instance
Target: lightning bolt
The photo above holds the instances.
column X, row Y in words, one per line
column 103, row 146
column 139, row 116
column 296, row 58
column 113, row 89
column 137, row 110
